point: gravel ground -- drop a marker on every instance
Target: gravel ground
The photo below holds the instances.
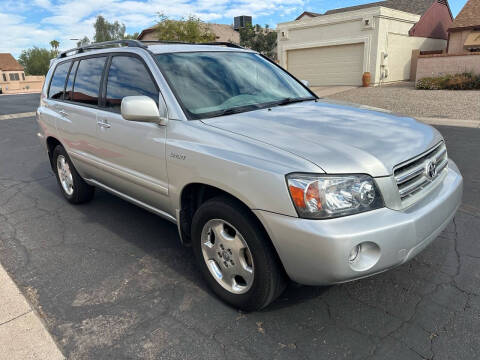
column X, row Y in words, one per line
column 404, row 99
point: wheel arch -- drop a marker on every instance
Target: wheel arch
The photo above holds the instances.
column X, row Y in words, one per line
column 193, row 195
column 52, row 142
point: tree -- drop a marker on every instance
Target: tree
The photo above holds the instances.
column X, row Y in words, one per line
column 133, row 36
column 36, row 61
column 260, row 39
column 83, row 42
column 191, row 30
column 107, row 31
column 54, row 44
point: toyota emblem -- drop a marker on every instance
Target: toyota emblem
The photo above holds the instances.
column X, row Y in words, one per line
column 431, row 170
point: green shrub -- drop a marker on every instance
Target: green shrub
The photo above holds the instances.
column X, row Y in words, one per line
column 464, row 81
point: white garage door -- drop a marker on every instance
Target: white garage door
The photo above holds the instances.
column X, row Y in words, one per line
column 330, row 65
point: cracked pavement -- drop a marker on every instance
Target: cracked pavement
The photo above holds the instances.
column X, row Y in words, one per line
column 111, row 280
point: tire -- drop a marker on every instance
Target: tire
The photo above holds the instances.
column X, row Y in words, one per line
column 252, row 277
column 73, row 187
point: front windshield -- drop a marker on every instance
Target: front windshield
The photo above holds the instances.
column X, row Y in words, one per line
column 209, row 84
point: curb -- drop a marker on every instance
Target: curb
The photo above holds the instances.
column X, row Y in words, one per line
column 22, row 333
column 450, row 122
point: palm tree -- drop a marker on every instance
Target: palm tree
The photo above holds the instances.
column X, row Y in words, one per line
column 54, row 44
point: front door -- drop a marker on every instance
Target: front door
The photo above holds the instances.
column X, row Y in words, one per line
column 133, row 153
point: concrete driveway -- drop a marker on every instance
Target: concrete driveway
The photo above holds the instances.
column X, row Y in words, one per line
column 110, row 280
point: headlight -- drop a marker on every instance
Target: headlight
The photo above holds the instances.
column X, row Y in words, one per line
column 324, row 197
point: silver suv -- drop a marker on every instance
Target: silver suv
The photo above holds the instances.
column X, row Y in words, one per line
column 264, row 180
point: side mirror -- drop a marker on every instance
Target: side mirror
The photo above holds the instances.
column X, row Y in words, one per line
column 143, row 109
column 306, row 83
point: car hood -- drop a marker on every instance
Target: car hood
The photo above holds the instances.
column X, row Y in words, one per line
column 339, row 138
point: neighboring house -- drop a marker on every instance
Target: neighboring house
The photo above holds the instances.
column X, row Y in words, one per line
column 222, row 33
column 465, row 31
column 10, row 69
column 13, row 79
column 463, row 52
column 338, row 47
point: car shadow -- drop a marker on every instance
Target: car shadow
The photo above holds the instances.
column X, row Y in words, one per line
column 153, row 235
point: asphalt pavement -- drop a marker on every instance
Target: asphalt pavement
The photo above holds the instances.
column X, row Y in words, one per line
column 12, row 104
column 111, row 280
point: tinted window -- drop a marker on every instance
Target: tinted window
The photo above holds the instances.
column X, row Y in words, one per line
column 87, row 81
column 128, row 76
column 57, row 85
column 71, row 78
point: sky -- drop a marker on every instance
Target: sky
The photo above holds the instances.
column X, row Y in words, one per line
column 28, row 23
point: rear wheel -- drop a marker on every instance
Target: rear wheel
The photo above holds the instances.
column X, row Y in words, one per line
column 235, row 256
column 73, row 187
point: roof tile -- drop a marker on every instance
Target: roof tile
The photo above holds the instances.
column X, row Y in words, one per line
column 469, row 16
column 8, row 63
column 418, row 7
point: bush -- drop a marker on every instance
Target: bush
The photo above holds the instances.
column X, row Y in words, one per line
column 464, row 81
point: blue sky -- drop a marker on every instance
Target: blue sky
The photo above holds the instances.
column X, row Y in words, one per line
column 27, row 23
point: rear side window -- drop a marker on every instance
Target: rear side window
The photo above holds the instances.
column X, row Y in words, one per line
column 71, row 78
column 128, row 76
column 87, row 81
column 57, row 85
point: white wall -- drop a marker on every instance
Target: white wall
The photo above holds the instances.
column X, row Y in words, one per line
column 395, row 41
column 400, row 53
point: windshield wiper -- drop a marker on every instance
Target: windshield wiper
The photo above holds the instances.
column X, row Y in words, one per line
column 290, row 100
column 232, row 111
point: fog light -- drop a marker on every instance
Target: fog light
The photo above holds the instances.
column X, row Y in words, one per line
column 354, row 253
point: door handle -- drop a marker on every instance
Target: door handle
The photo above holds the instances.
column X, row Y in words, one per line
column 63, row 112
column 103, row 124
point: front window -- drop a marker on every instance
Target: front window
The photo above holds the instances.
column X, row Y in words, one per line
column 209, row 84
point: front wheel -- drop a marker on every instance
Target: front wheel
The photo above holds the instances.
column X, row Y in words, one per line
column 235, row 256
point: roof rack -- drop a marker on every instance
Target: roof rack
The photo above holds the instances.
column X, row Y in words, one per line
column 215, row 43
column 101, row 45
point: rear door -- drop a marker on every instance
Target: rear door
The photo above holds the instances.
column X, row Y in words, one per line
column 50, row 111
column 78, row 124
column 133, row 152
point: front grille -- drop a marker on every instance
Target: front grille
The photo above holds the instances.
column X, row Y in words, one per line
column 413, row 176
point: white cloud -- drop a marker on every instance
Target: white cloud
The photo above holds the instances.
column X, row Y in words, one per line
column 66, row 19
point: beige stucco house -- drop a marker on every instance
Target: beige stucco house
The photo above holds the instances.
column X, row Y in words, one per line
column 224, row 33
column 13, row 79
column 338, row 47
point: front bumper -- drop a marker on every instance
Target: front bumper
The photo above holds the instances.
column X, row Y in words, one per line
column 316, row 252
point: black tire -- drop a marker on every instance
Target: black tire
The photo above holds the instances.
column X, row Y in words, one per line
column 269, row 279
column 82, row 192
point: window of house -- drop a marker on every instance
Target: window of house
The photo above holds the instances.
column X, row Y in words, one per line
column 128, row 76
column 71, row 78
column 4, row 77
column 57, row 85
column 87, row 81
column 23, row 76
